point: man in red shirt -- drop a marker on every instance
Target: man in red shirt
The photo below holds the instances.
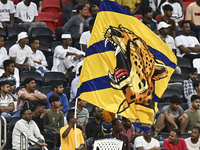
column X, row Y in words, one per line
column 174, row 142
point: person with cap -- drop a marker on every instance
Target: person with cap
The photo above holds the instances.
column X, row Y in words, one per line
column 20, row 52
column 163, row 29
column 106, row 128
column 66, row 58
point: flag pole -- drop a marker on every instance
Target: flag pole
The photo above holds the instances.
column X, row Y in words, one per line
column 75, row 123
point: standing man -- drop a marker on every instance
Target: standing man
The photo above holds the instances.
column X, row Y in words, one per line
column 75, row 25
column 93, row 12
column 193, row 142
column 20, row 52
column 66, row 58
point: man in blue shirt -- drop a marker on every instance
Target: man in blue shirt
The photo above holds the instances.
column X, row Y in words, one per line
column 58, row 89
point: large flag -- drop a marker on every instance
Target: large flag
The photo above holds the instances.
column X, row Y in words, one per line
column 127, row 67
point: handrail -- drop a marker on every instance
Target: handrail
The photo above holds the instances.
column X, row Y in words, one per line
column 21, row 141
column 5, row 132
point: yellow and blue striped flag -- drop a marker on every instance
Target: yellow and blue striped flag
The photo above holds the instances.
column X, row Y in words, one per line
column 127, row 67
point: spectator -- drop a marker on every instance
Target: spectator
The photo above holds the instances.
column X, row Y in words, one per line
column 174, row 141
column 25, row 14
column 147, row 141
column 37, row 58
column 38, row 4
column 85, row 37
column 69, row 10
column 75, row 25
column 187, row 46
column 66, row 58
column 117, row 128
column 67, row 134
column 93, row 11
column 97, row 134
column 193, row 113
column 74, row 86
column 97, row 120
column 53, row 118
column 83, row 113
column 6, row 101
column 57, row 89
column 177, row 14
column 7, row 11
column 20, row 52
column 175, row 115
column 106, row 128
column 196, row 86
column 95, row 2
column 192, row 15
column 133, row 4
column 38, row 114
column 29, row 94
column 147, row 14
column 108, row 116
column 167, row 18
column 163, row 28
column 27, row 126
column 193, row 142
column 188, row 88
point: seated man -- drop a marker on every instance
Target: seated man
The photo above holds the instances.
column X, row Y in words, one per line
column 57, row 89
column 147, row 141
column 28, row 95
column 106, row 128
column 133, row 4
column 27, row 126
column 25, row 14
column 174, row 115
column 187, row 46
column 188, row 88
column 193, row 113
column 66, row 58
column 83, row 113
column 193, row 142
column 37, row 58
column 67, row 133
column 174, row 141
column 38, row 114
column 53, row 118
column 20, row 52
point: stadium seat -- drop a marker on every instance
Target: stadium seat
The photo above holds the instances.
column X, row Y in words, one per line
column 57, row 140
column 164, row 135
column 8, row 44
column 50, row 77
column 184, row 106
column 176, row 85
column 48, row 18
column 71, row 104
column 161, row 105
column 50, row 62
column 168, row 93
column 12, row 122
column 185, row 72
column 60, row 19
column 58, row 33
column 67, row 91
column 186, row 5
column 44, row 47
column 47, row 136
column 71, row 76
column 183, row 62
column 52, row 6
column 158, row 17
column 46, row 89
column 185, row 135
column 19, row 88
column 196, row 64
column 43, row 34
column 14, row 31
column 138, row 16
column 54, row 44
column 189, row 0
column 15, row 1
column 3, row 33
column 64, row 2
column 176, row 78
column 89, row 107
column 8, row 145
column 50, row 144
column 56, row 148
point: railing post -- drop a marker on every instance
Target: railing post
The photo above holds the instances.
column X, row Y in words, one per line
column 21, row 141
column 5, row 132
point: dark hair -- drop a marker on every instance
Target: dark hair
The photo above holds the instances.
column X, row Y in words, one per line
column 97, row 130
column 79, row 7
column 192, row 70
column 91, row 22
column 196, row 127
column 92, row 6
column 33, row 39
column 1, row 36
column 184, row 22
column 178, row 132
column 146, row 23
column 23, row 111
column 114, row 121
column 194, row 97
column 39, row 103
column 146, row 10
column 127, row 8
column 53, row 98
column 7, row 63
column 152, row 128
column 94, row 109
column 167, row 7
column 175, row 100
column 28, row 80
column 2, row 83
column 70, row 114
column 55, row 84
column 196, row 84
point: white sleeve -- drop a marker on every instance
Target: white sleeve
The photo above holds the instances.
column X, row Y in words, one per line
column 12, row 52
column 173, row 43
column 43, row 61
column 157, row 144
column 83, row 39
column 30, row 61
column 196, row 41
column 178, row 41
column 35, row 10
column 28, row 52
column 12, row 7
column 60, row 52
column 138, row 142
column 17, row 11
column 37, row 132
column 180, row 13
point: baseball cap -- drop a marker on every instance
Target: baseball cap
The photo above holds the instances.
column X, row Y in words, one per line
column 21, row 36
column 163, row 24
column 107, row 126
